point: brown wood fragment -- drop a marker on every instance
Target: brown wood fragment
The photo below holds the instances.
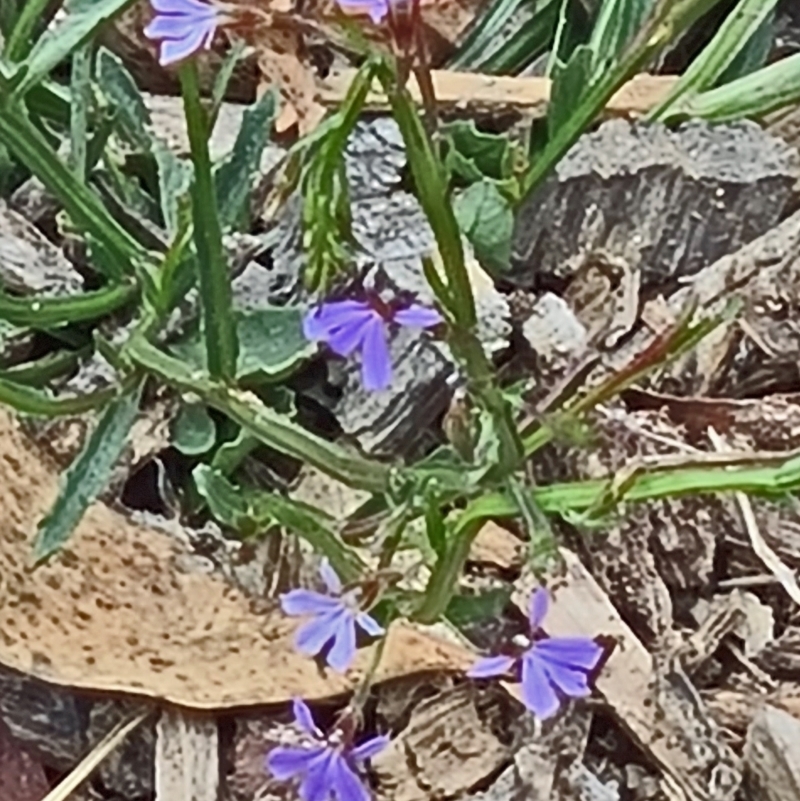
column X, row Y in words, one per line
column 473, row 92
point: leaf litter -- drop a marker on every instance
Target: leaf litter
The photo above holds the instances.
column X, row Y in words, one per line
column 201, row 637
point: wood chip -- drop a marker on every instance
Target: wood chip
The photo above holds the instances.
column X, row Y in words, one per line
column 472, row 92
column 187, row 757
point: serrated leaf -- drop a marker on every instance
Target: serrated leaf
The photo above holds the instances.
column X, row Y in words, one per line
column 486, row 218
column 81, row 20
column 475, row 154
column 89, row 473
column 271, row 343
column 234, row 177
column 194, row 431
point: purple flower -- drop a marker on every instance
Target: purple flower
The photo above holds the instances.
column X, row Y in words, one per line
column 335, row 618
column 548, row 666
column 328, row 767
column 182, row 27
column 353, row 325
column 376, row 9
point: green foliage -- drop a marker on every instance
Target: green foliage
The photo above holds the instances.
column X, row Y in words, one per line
column 81, row 20
column 486, row 218
column 732, row 37
column 271, row 343
column 194, row 431
column 127, row 195
column 249, row 512
column 88, row 475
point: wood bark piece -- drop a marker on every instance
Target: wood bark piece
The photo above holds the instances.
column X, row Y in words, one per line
column 667, row 202
column 22, row 776
column 29, row 263
column 772, row 755
column 115, row 611
column 654, row 703
column 187, row 757
column 473, row 93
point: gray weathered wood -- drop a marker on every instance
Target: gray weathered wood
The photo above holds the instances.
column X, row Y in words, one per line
column 187, row 757
column 668, row 202
column 772, row 755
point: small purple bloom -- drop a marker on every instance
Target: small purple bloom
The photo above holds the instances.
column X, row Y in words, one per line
column 376, row 9
column 348, row 326
column 335, row 618
column 183, row 27
column 327, row 768
column 548, row 666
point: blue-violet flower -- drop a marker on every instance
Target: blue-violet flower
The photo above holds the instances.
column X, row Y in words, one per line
column 182, row 27
column 336, row 616
column 348, row 326
column 375, row 9
column 548, row 666
column 328, row 768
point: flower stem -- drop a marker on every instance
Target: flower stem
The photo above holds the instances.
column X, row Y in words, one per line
column 219, row 327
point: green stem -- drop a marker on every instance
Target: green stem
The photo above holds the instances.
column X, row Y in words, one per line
column 583, row 495
column 265, row 424
column 19, row 43
column 216, row 301
column 46, row 313
column 31, row 401
column 433, row 197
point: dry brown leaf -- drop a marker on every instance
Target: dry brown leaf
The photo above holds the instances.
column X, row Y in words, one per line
column 283, row 66
column 114, row 611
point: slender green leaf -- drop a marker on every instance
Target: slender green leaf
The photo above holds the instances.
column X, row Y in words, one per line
column 28, row 144
column 31, row 13
column 81, row 21
column 234, row 178
column 616, row 24
column 532, row 39
column 219, row 328
column 570, row 82
column 37, row 403
column 479, row 49
column 88, row 475
column 252, row 511
column 81, row 94
column 730, row 39
column 754, row 54
column 130, row 112
column 270, row 427
column 762, row 92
